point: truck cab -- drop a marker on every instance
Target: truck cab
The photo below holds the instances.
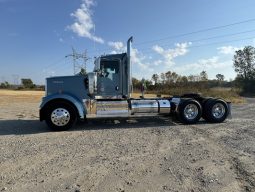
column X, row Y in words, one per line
column 111, row 73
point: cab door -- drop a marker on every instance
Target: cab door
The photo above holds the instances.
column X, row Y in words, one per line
column 109, row 80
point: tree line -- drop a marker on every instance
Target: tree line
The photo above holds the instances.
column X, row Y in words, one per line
column 243, row 63
column 26, row 83
column 170, row 82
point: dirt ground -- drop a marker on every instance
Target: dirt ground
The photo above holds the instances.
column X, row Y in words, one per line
column 139, row 154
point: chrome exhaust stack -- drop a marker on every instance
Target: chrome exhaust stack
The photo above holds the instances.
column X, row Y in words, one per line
column 129, row 75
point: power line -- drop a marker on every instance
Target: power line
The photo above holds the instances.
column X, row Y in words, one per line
column 204, row 39
column 209, row 44
column 198, row 31
column 186, row 34
column 84, row 56
column 208, row 38
column 219, row 36
column 60, row 68
column 196, row 40
column 215, row 43
column 49, row 66
column 57, row 62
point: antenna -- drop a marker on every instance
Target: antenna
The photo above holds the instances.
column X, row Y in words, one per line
column 77, row 66
column 94, row 36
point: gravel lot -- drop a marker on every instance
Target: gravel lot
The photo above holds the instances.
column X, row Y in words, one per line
column 138, row 154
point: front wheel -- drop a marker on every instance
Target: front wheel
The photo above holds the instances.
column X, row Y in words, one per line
column 189, row 111
column 60, row 116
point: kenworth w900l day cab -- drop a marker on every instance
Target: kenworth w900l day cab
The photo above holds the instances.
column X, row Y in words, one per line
column 106, row 92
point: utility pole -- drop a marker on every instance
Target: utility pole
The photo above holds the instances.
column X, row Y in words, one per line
column 15, row 79
column 77, row 66
column 3, row 79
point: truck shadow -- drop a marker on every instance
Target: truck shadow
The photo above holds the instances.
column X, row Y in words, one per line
column 23, row 127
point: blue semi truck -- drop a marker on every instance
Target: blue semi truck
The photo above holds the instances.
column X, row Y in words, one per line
column 106, row 92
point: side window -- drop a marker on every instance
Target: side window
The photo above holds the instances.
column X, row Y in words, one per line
column 109, row 69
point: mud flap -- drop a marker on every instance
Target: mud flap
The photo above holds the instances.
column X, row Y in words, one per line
column 229, row 116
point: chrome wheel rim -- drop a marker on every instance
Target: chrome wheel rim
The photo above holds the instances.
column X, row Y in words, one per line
column 218, row 110
column 60, row 117
column 191, row 111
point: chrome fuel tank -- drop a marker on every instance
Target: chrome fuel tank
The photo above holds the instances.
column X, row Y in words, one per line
column 144, row 106
column 164, row 106
column 112, row 108
column 150, row 106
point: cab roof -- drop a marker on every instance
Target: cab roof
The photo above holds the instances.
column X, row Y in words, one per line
column 114, row 56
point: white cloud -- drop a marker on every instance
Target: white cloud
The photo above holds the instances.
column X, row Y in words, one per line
column 139, row 61
column 169, row 54
column 146, row 65
column 157, row 62
column 227, row 50
column 117, row 45
column 83, row 25
column 203, row 64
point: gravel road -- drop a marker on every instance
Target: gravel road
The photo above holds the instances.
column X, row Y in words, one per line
column 139, row 154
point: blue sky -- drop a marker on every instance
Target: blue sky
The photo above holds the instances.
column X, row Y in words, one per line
column 35, row 36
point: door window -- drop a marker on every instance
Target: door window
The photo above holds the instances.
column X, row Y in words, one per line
column 110, row 69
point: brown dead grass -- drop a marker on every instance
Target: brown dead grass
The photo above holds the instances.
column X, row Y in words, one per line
column 7, row 97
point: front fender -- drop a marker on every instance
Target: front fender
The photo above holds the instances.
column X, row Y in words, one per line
column 82, row 111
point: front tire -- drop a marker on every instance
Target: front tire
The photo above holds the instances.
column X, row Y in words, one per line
column 60, row 116
column 189, row 111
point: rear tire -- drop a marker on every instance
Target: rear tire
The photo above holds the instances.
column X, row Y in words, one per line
column 203, row 103
column 60, row 116
column 189, row 111
column 215, row 110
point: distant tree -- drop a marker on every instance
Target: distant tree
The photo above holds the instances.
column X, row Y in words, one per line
column 168, row 75
column 171, row 77
column 155, row 78
column 174, row 77
column 244, row 62
column 183, row 79
column 220, row 77
column 136, row 83
column 27, row 83
column 191, row 78
column 148, row 84
column 82, row 72
column 203, row 76
column 5, row 85
column 163, row 78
